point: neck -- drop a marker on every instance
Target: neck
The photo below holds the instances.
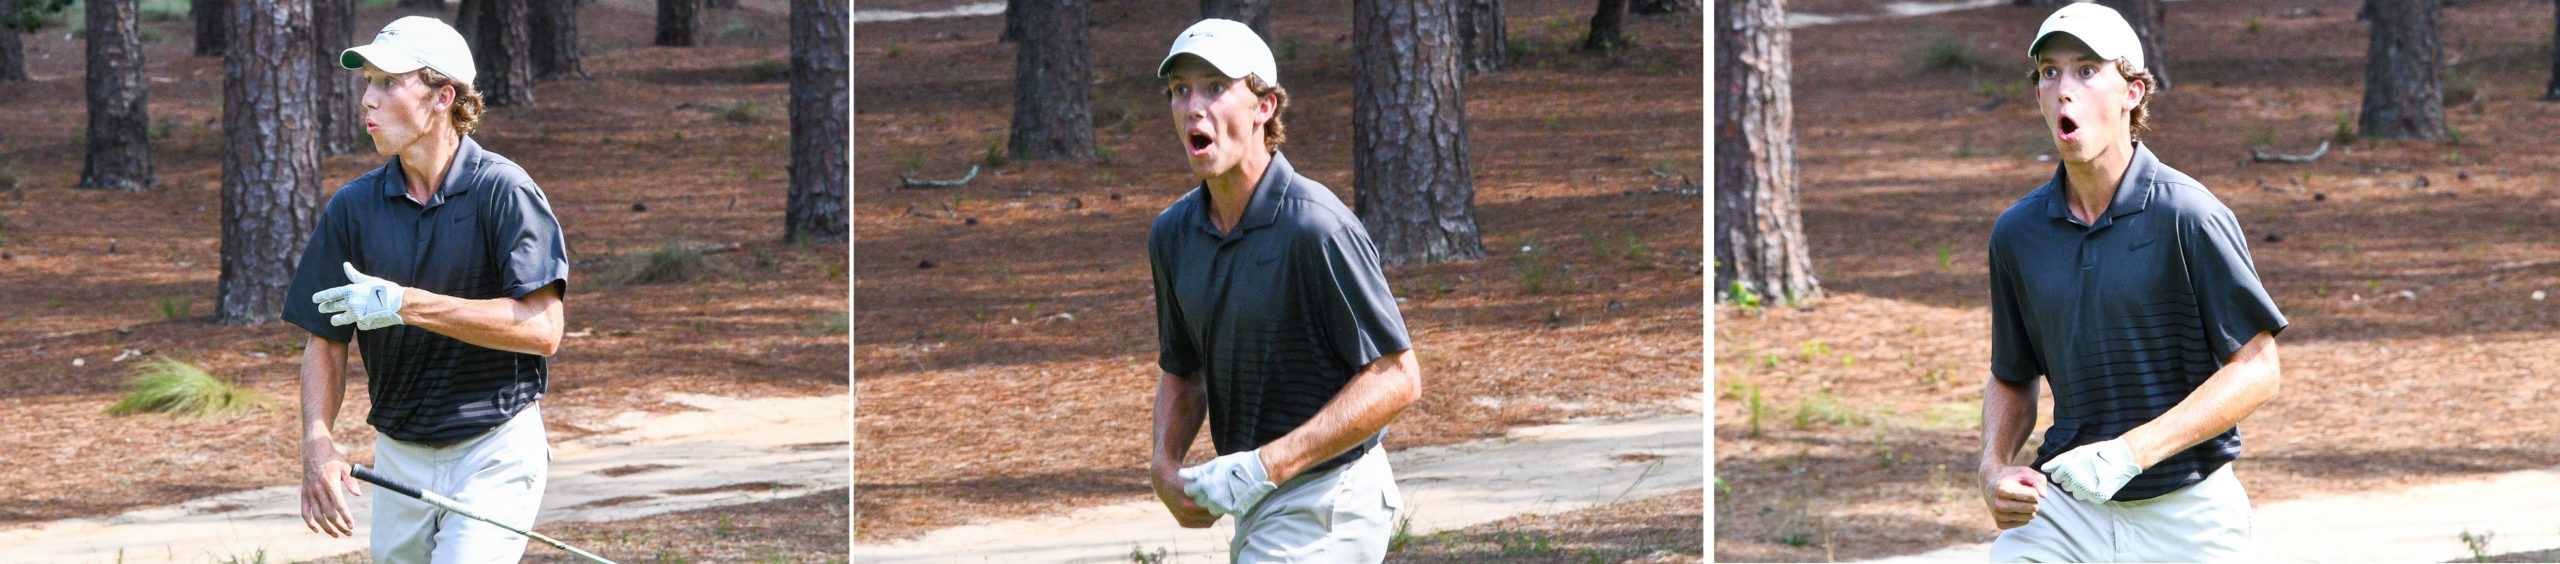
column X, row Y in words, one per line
column 2092, row 184
column 425, row 161
column 1229, row 191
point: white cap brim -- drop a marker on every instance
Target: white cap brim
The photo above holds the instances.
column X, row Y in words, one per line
column 388, row 59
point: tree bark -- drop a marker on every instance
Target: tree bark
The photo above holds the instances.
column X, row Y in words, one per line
column 1759, row 232
column 1012, row 22
column 341, row 112
column 1608, row 27
column 1255, row 14
column 119, row 152
column 13, row 55
column 1052, row 84
column 2149, row 19
column 556, row 54
column 819, row 130
column 2552, row 92
column 1659, row 7
column 1412, row 183
column 209, row 29
column 466, row 21
column 1480, row 30
column 505, row 53
column 2403, row 73
column 678, row 22
column 270, row 165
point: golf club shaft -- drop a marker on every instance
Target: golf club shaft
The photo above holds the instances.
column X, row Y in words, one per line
column 449, row 504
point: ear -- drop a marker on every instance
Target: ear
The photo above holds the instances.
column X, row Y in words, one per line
column 2135, row 91
column 1265, row 106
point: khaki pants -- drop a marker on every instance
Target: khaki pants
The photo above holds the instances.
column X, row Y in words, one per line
column 498, row 474
column 2205, row 522
column 1343, row 515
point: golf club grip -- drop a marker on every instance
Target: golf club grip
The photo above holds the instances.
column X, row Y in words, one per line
column 367, row 474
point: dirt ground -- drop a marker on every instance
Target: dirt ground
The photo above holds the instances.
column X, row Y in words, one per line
column 1661, row 529
column 1007, row 358
column 795, row 529
column 2417, row 352
column 90, row 275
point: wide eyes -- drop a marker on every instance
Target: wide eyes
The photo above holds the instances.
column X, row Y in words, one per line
column 2084, row 72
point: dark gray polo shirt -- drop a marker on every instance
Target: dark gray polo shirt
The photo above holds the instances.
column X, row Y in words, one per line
column 2126, row 316
column 1278, row 315
column 488, row 233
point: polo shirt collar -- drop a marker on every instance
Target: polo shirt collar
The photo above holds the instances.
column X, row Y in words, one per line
column 1264, row 206
column 2133, row 194
column 465, row 156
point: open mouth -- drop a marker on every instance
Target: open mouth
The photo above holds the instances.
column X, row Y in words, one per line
column 2066, row 125
column 1198, row 141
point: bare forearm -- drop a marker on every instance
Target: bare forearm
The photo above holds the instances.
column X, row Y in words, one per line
column 324, row 387
column 1180, row 405
column 2008, row 416
column 529, row 325
column 2246, row 381
column 1373, row 398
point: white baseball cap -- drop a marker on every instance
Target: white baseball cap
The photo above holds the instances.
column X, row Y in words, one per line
column 1227, row 45
column 2104, row 30
column 412, row 43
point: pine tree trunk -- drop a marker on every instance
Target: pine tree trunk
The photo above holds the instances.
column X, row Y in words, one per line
column 13, row 55
column 1480, row 29
column 1012, row 22
column 1659, row 7
column 209, row 26
column 505, row 53
column 819, row 130
column 1411, row 182
column 1052, row 84
column 466, row 21
column 1608, row 27
column 556, row 54
column 1759, row 233
column 2403, row 73
column 270, row 164
column 119, row 152
column 2553, row 92
column 1255, row 14
column 341, row 112
column 678, row 21
column 2149, row 18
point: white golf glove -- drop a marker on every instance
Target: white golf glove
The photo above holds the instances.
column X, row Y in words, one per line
column 1228, row 485
column 368, row 302
column 2094, row 472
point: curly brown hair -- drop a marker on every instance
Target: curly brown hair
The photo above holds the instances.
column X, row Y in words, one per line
column 2141, row 122
column 467, row 105
column 1275, row 131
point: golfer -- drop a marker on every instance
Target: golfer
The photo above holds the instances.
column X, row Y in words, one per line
column 1273, row 317
column 2129, row 287
column 447, row 268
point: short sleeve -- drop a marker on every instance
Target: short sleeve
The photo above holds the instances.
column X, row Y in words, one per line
column 2014, row 358
column 331, row 243
column 532, row 252
column 1174, row 350
column 2235, row 307
column 1348, row 292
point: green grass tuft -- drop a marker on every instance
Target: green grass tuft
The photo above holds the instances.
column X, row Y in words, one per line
column 178, row 388
column 673, row 261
